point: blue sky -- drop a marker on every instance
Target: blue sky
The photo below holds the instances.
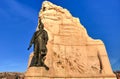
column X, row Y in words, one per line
column 18, row 21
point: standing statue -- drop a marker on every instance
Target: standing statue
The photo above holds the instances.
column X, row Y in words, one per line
column 39, row 40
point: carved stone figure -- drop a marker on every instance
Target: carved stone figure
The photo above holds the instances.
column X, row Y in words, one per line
column 39, row 40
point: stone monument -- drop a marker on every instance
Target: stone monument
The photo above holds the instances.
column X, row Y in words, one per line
column 71, row 54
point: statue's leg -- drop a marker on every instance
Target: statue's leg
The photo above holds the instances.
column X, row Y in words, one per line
column 44, row 65
column 43, row 57
column 36, row 58
column 39, row 60
column 36, row 55
column 42, row 60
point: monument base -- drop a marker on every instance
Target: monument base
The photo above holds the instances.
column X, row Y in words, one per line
column 70, row 78
column 42, row 73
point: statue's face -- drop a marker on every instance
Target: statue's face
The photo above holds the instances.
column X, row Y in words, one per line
column 41, row 26
column 40, row 21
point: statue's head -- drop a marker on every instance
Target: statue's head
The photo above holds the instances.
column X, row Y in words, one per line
column 41, row 26
column 40, row 20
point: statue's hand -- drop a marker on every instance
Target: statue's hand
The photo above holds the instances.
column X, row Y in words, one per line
column 28, row 48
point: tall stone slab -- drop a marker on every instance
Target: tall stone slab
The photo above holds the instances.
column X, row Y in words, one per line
column 72, row 54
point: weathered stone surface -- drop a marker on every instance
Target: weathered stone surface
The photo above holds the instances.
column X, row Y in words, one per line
column 71, row 52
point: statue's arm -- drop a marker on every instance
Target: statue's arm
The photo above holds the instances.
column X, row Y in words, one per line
column 32, row 41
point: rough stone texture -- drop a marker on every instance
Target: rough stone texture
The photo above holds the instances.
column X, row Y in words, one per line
column 71, row 52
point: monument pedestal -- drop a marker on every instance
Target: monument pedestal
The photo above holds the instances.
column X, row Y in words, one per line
column 68, row 78
column 42, row 73
column 36, row 73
